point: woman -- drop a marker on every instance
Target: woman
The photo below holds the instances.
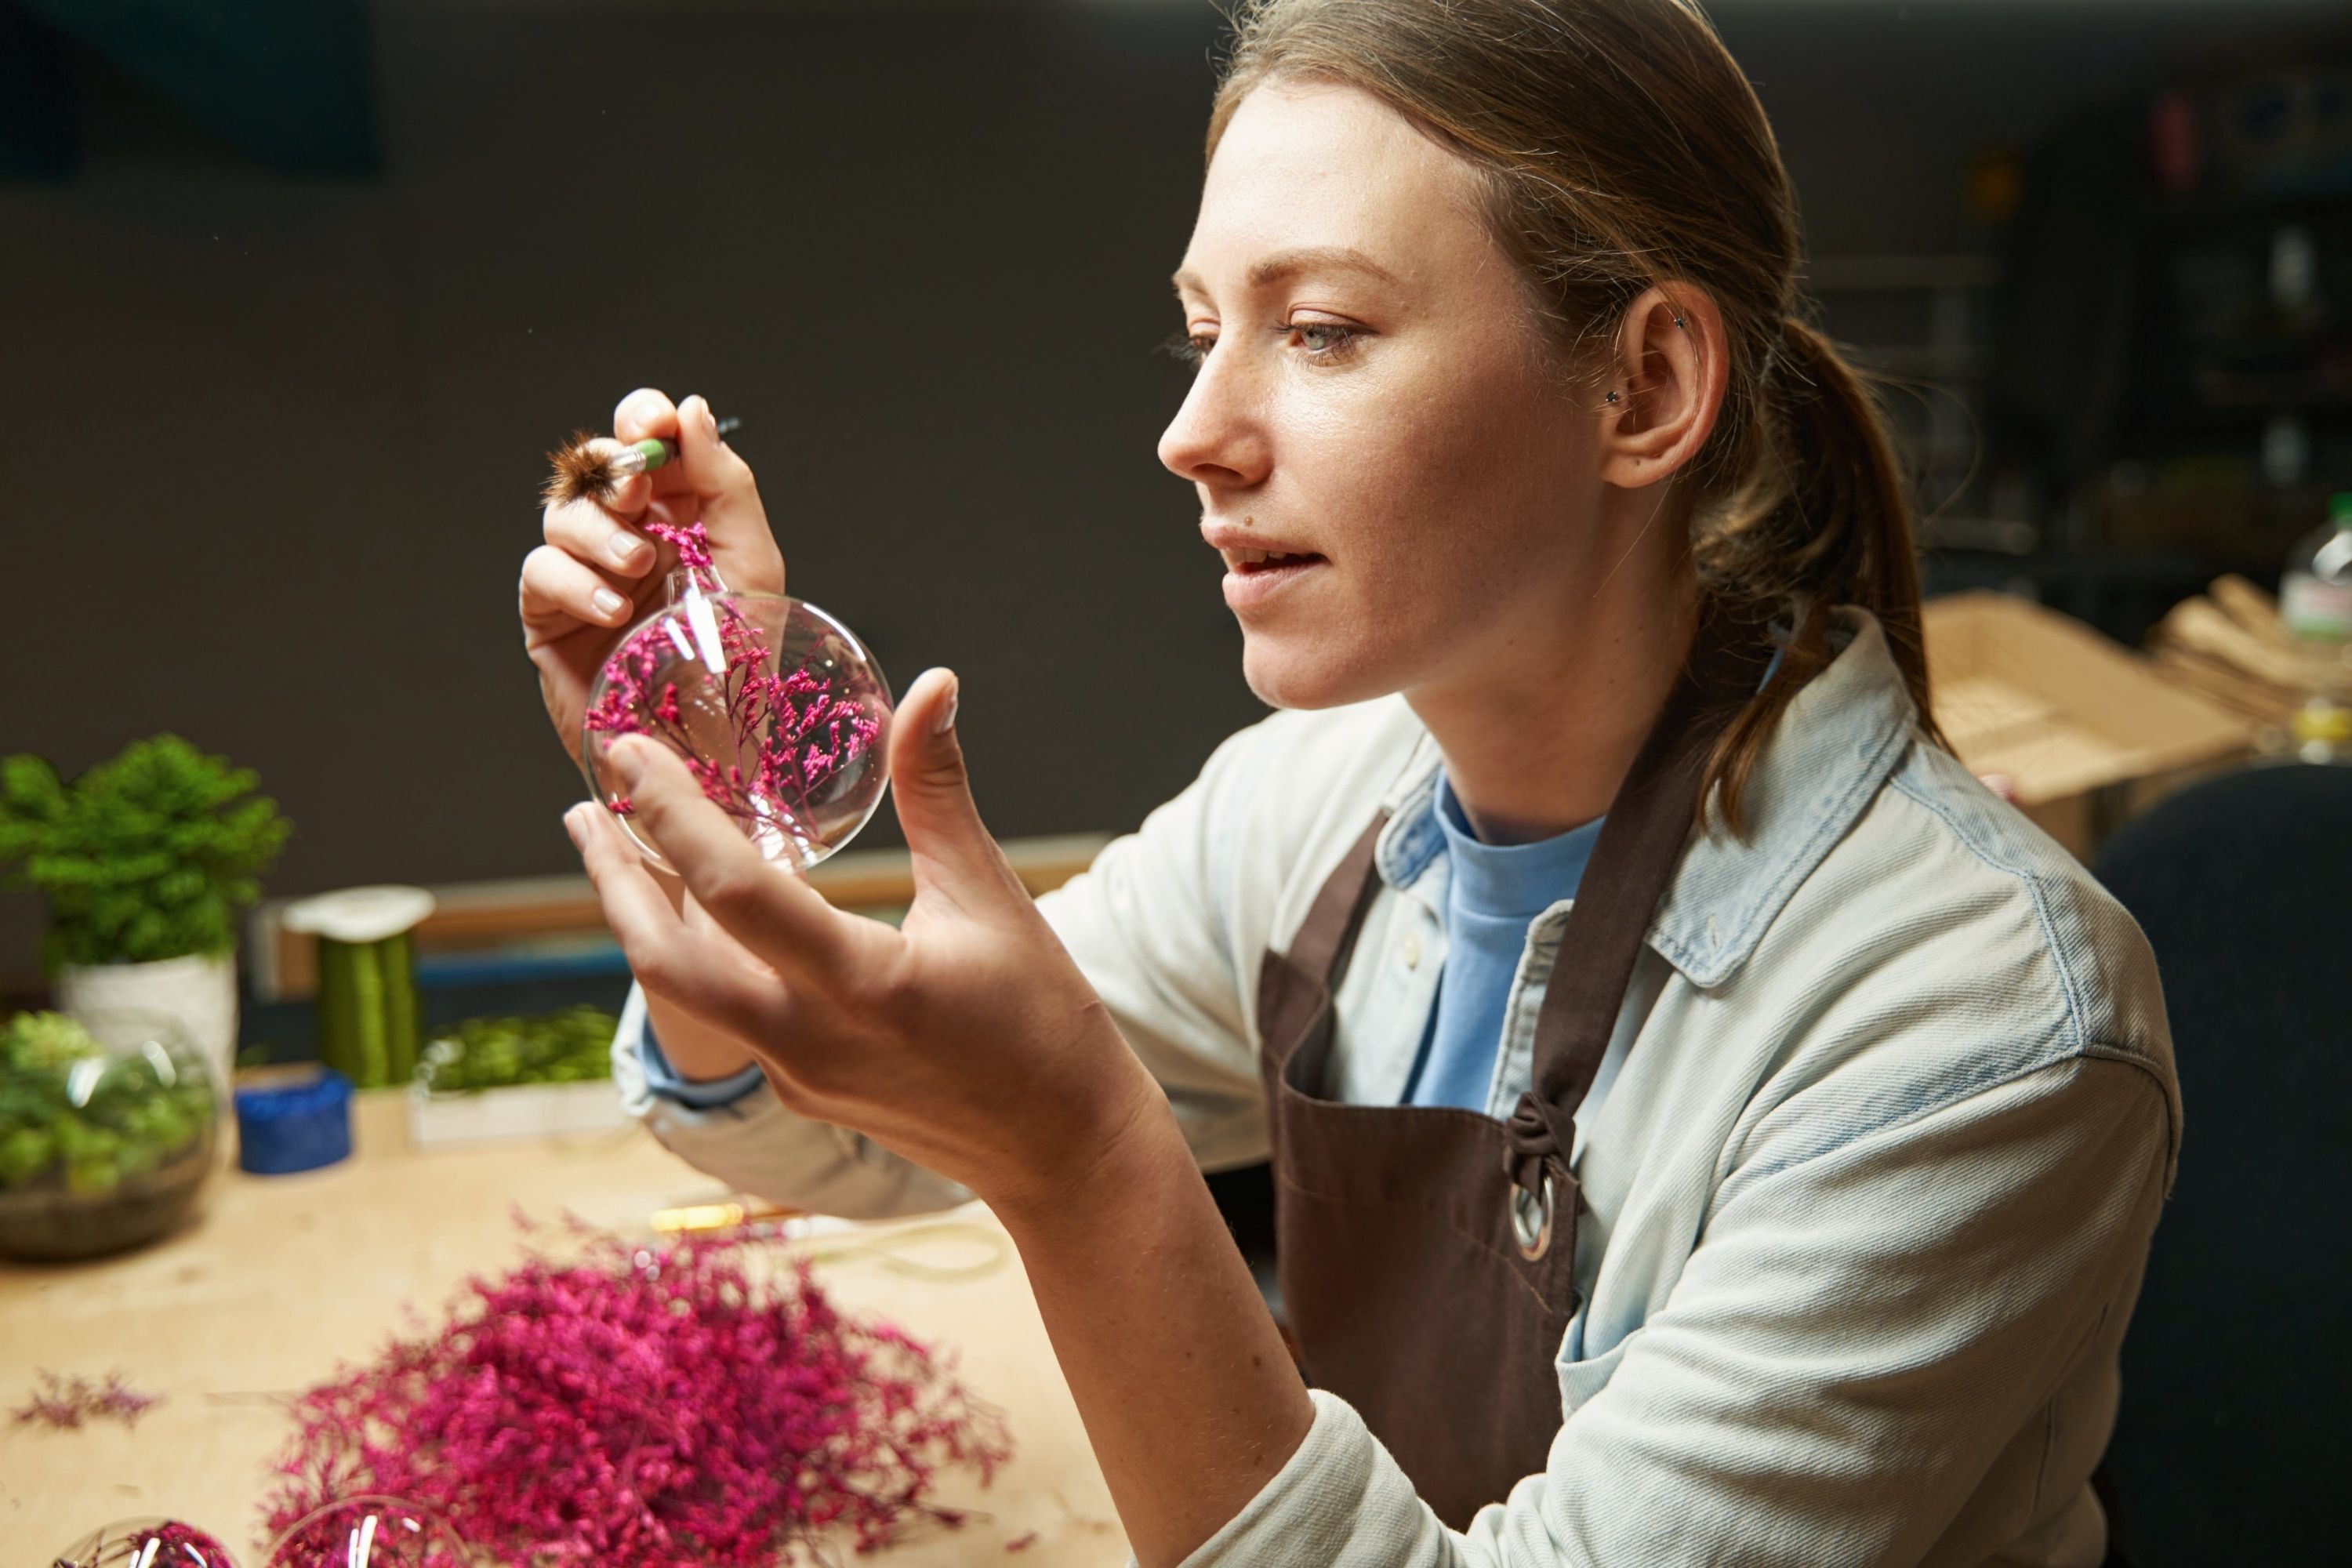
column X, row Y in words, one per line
column 1782, row 1198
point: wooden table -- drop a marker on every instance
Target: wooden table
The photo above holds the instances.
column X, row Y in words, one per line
column 282, row 1276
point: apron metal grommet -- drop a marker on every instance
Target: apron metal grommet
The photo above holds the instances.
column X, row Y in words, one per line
column 1531, row 1219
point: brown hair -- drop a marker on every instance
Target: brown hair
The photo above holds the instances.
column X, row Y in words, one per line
column 1622, row 149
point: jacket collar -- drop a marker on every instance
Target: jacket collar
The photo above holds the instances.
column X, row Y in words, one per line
column 1839, row 739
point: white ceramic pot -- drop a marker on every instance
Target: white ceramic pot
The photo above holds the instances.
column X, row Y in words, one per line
column 115, row 1001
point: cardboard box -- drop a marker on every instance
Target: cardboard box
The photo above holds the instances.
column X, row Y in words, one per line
column 2089, row 730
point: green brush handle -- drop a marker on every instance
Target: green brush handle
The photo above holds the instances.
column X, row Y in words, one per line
column 657, row 451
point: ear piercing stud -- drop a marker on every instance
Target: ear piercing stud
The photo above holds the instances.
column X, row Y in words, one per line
column 1611, row 397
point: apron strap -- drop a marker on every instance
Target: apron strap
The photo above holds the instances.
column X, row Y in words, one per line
column 1633, row 861
column 1329, row 932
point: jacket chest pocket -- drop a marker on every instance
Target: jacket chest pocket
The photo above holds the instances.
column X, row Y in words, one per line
column 1581, row 1378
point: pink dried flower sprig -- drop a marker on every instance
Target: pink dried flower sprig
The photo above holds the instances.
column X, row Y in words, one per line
column 641, row 1408
column 692, row 542
column 800, row 729
column 60, row 1404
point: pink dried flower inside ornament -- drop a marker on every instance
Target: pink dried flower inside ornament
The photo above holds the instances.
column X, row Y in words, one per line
column 369, row 1532
column 146, row 1543
column 776, row 708
column 698, row 1401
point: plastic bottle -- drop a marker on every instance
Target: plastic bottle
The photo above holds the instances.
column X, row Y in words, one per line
column 2315, row 603
column 2322, row 731
column 2316, row 592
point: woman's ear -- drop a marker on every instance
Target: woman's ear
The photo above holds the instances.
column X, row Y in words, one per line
column 1663, row 385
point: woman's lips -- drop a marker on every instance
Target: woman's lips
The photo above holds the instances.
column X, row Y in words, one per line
column 1252, row 584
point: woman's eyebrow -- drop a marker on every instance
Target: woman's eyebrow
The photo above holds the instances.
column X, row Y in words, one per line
column 1305, row 258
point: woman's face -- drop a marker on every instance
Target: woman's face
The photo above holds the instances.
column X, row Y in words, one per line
column 1376, row 395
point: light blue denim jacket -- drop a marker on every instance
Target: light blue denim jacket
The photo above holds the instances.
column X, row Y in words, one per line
column 1872, row 1165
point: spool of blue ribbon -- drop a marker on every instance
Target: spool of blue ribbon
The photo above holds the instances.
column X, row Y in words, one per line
column 295, row 1120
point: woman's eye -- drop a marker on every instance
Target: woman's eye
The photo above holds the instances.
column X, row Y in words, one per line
column 1322, row 340
column 1190, row 347
column 1326, row 342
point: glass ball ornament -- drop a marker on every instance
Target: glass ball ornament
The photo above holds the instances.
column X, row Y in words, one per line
column 108, row 1142
column 146, row 1543
column 776, row 708
column 369, row 1532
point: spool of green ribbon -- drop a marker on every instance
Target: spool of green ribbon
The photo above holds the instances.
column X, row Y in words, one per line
column 367, row 979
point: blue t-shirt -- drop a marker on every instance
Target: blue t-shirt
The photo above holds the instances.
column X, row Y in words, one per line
column 1494, row 891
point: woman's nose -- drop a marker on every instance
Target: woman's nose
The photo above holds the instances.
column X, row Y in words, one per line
column 1218, row 438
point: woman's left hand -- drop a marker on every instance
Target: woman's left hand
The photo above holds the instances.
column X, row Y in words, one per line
column 966, row 1039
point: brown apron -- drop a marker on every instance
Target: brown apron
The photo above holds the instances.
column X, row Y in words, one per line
column 1427, row 1255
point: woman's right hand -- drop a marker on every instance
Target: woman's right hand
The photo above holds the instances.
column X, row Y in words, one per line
column 599, row 572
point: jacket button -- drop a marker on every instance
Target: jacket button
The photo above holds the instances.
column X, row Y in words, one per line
column 1409, row 950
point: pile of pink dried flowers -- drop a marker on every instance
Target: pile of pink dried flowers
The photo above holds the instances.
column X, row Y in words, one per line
column 635, row 1406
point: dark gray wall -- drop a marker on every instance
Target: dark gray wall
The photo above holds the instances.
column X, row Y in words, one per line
column 275, row 439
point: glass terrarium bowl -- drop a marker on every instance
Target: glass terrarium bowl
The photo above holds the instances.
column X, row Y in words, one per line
column 100, row 1149
column 369, row 1532
column 146, row 1543
column 777, row 709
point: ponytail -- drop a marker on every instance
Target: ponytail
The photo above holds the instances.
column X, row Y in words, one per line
column 1824, row 521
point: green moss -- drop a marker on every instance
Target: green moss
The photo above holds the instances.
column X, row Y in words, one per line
column 573, row 1046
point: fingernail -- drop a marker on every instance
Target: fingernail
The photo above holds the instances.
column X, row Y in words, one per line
column 607, row 602
column 622, row 547
column 639, row 406
column 947, row 719
column 577, row 829
column 625, row 761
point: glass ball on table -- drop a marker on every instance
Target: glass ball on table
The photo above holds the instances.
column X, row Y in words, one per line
column 369, row 1532
column 104, row 1146
column 146, row 1543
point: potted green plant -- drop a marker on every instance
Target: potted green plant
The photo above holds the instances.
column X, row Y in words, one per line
column 145, row 861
